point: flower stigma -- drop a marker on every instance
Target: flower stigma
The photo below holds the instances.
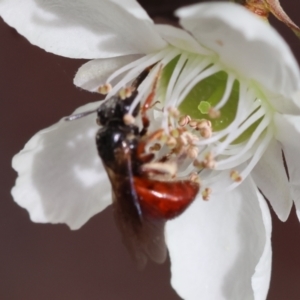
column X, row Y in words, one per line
column 211, row 121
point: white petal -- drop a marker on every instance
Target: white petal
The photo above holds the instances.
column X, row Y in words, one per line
column 216, row 247
column 270, row 176
column 181, row 39
column 262, row 275
column 245, row 44
column 61, row 178
column 95, row 72
column 81, row 28
column 288, row 133
column 282, row 104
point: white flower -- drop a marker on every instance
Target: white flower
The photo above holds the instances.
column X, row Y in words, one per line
column 219, row 249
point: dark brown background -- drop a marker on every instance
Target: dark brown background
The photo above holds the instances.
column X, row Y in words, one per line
column 50, row 261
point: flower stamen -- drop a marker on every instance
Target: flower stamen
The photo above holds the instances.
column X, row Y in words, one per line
column 195, row 144
column 194, row 177
column 184, row 120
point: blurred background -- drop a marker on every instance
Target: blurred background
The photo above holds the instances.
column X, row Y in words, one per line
column 44, row 262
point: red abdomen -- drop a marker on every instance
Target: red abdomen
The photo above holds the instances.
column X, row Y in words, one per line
column 164, row 199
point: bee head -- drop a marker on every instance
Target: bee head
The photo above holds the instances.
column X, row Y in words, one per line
column 115, row 108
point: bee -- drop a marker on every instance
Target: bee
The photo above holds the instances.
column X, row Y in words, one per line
column 142, row 203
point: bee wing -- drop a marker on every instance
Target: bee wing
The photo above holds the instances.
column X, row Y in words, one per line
column 142, row 237
column 154, row 243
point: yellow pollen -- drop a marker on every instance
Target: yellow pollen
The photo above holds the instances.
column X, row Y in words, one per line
column 105, row 88
column 206, row 194
column 235, row 176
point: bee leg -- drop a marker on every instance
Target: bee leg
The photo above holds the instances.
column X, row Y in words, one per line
column 148, row 104
column 135, row 84
column 146, row 158
column 166, row 157
column 141, row 148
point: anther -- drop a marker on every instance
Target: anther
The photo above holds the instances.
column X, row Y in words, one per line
column 192, row 152
column 155, row 147
column 128, row 119
column 184, row 120
column 128, row 91
column 235, row 176
column 206, row 194
column 105, row 88
column 193, row 123
column 198, row 164
column 205, row 132
column 203, row 124
column 194, row 177
column 125, row 93
column 171, row 142
column 214, row 113
column 209, row 162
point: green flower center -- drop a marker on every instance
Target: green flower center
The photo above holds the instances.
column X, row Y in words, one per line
column 223, row 126
column 207, row 94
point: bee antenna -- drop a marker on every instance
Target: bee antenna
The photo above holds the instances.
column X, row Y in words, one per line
column 80, row 115
column 141, row 77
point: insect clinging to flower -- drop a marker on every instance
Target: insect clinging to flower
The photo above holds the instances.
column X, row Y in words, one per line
column 145, row 193
column 228, row 97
